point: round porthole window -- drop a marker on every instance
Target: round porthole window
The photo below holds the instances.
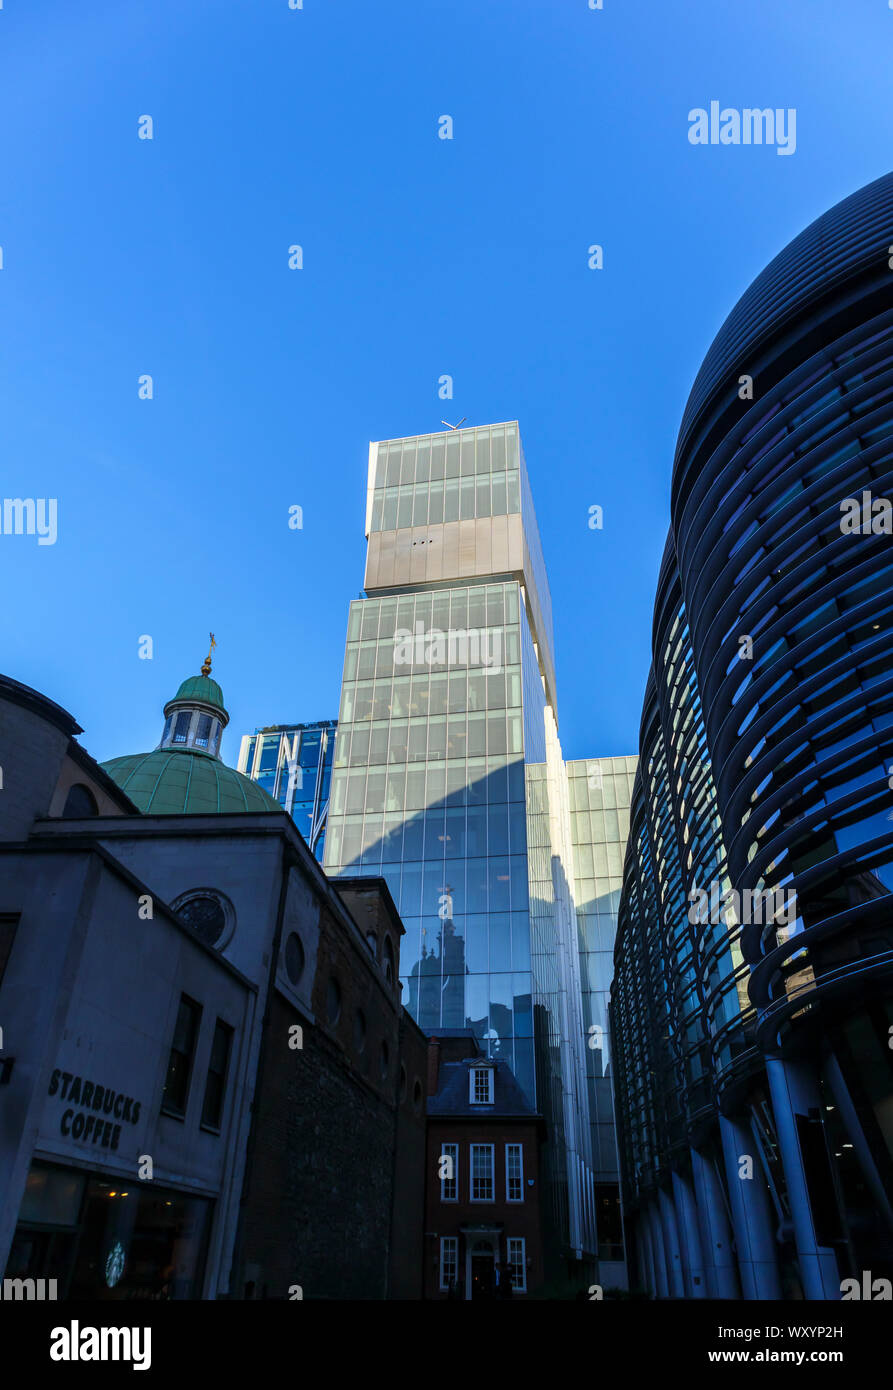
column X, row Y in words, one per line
column 208, row 913
column 294, row 958
column 333, row 1001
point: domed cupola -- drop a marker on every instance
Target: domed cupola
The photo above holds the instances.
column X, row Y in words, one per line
column 185, row 772
column 195, row 718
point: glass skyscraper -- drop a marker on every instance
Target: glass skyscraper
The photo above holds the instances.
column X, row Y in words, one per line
column 752, row 1007
column 600, row 790
column 293, row 762
column 449, row 781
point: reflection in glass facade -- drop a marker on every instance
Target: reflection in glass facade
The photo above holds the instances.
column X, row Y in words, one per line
column 448, row 778
column 293, row 762
column 599, row 798
column 766, row 747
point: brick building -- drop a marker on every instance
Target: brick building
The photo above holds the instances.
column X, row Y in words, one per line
column 334, row 1196
column 482, row 1176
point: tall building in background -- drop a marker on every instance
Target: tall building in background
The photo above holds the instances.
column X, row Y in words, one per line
column 752, row 1008
column 293, row 762
column 600, row 791
column 449, row 780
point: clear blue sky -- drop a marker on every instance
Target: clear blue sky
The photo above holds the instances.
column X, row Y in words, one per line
column 421, row 257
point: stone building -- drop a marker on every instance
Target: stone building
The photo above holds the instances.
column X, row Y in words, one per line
column 189, row 1104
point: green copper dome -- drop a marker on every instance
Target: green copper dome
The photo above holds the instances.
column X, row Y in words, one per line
column 172, row 782
column 201, row 688
column 184, row 774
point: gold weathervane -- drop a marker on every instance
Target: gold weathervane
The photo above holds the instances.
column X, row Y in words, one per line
column 206, row 664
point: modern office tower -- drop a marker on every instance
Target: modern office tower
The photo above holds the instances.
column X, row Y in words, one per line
column 449, row 782
column 752, row 1007
column 293, row 762
column 599, row 797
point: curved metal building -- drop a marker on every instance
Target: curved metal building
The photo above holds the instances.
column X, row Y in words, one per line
column 752, row 1006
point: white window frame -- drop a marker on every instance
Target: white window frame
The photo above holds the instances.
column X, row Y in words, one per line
column 453, row 1243
column 508, row 1196
column 492, row 1197
column 519, row 1263
column 475, row 1072
column 450, row 1151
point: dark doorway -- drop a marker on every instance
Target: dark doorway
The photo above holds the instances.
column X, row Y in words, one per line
column 482, row 1276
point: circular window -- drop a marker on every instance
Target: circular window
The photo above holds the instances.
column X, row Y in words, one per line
column 294, row 958
column 417, row 1096
column 333, row 1000
column 384, row 1060
column 359, row 1030
column 206, row 914
column 402, row 1083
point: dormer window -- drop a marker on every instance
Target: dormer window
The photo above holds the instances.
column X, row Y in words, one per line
column 480, row 1086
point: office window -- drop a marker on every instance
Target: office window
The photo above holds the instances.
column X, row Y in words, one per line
column 449, row 1182
column 179, row 1066
column 212, row 1106
column 514, row 1173
column 482, row 1173
column 449, row 1258
column 480, row 1088
column 517, row 1259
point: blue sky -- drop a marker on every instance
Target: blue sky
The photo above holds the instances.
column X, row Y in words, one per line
column 422, row 257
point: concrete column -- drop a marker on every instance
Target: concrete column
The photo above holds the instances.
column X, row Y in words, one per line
column 643, row 1255
column 690, row 1236
column 671, row 1244
column 795, row 1091
column 752, row 1213
column 657, row 1246
column 716, row 1234
column 856, row 1134
column 650, row 1267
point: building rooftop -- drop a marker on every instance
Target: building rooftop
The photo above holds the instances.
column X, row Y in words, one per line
column 451, row 1096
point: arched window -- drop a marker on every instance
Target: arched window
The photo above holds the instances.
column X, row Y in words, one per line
column 388, row 959
column 79, row 802
column 203, row 731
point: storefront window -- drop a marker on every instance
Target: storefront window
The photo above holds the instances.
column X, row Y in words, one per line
column 106, row 1239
